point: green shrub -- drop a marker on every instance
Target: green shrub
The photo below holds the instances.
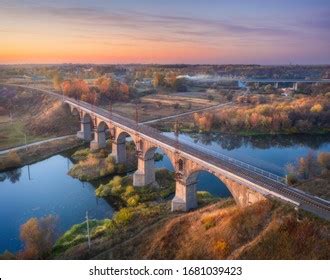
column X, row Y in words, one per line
column 205, row 197
column 123, row 216
column 208, row 222
column 133, row 201
column 103, row 191
column 129, row 191
column 103, row 153
column 78, row 233
column 116, row 181
column 121, row 168
column 116, row 190
column 103, row 172
column 81, row 154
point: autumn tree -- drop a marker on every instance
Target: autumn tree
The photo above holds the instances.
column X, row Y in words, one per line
column 124, row 89
column 104, row 84
column 75, row 88
column 38, row 236
column 158, row 80
column 307, row 167
column 204, row 121
column 324, row 160
column 171, row 79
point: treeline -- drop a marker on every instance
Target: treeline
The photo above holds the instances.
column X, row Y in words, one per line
column 303, row 115
column 104, row 89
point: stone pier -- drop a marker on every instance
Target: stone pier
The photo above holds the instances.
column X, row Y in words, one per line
column 119, row 150
column 185, row 196
column 85, row 132
column 145, row 175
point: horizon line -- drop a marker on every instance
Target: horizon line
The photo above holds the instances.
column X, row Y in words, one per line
column 185, row 64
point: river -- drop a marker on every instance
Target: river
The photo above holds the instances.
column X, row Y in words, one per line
column 45, row 188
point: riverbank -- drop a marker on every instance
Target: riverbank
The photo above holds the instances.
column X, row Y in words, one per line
column 220, row 230
column 302, row 114
column 141, row 208
column 188, row 126
column 36, row 152
column 29, row 116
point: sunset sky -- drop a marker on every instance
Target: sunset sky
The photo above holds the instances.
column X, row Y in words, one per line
column 171, row 31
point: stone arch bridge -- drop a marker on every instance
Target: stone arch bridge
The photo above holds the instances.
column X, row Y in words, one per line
column 246, row 183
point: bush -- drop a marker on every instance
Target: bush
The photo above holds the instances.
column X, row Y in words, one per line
column 116, row 181
column 129, row 191
column 221, row 247
column 291, row 179
column 317, row 108
column 116, row 190
column 123, row 216
column 133, row 201
column 38, row 236
column 103, row 191
column 324, row 160
column 81, row 154
column 78, row 233
column 208, row 222
column 121, row 168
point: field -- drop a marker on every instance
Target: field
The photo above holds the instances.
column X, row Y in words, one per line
column 161, row 105
column 12, row 134
column 35, row 116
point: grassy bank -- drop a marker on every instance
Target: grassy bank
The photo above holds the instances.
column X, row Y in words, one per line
column 92, row 165
column 12, row 134
column 141, row 208
column 265, row 230
column 36, row 153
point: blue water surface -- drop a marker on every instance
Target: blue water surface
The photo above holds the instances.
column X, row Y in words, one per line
column 48, row 190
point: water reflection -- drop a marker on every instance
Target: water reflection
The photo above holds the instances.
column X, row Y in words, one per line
column 46, row 190
column 269, row 152
column 230, row 142
column 11, row 175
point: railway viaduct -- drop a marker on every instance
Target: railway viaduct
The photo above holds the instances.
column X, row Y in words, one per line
column 246, row 183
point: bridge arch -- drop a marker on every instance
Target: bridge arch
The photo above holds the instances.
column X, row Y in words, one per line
column 211, row 183
column 102, row 126
column 101, row 133
column 242, row 195
column 75, row 111
column 149, row 153
column 124, row 154
column 145, row 174
column 122, row 137
column 87, row 118
column 73, row 114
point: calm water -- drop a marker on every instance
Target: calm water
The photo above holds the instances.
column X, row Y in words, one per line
column 271, row 153
column 49, row 190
